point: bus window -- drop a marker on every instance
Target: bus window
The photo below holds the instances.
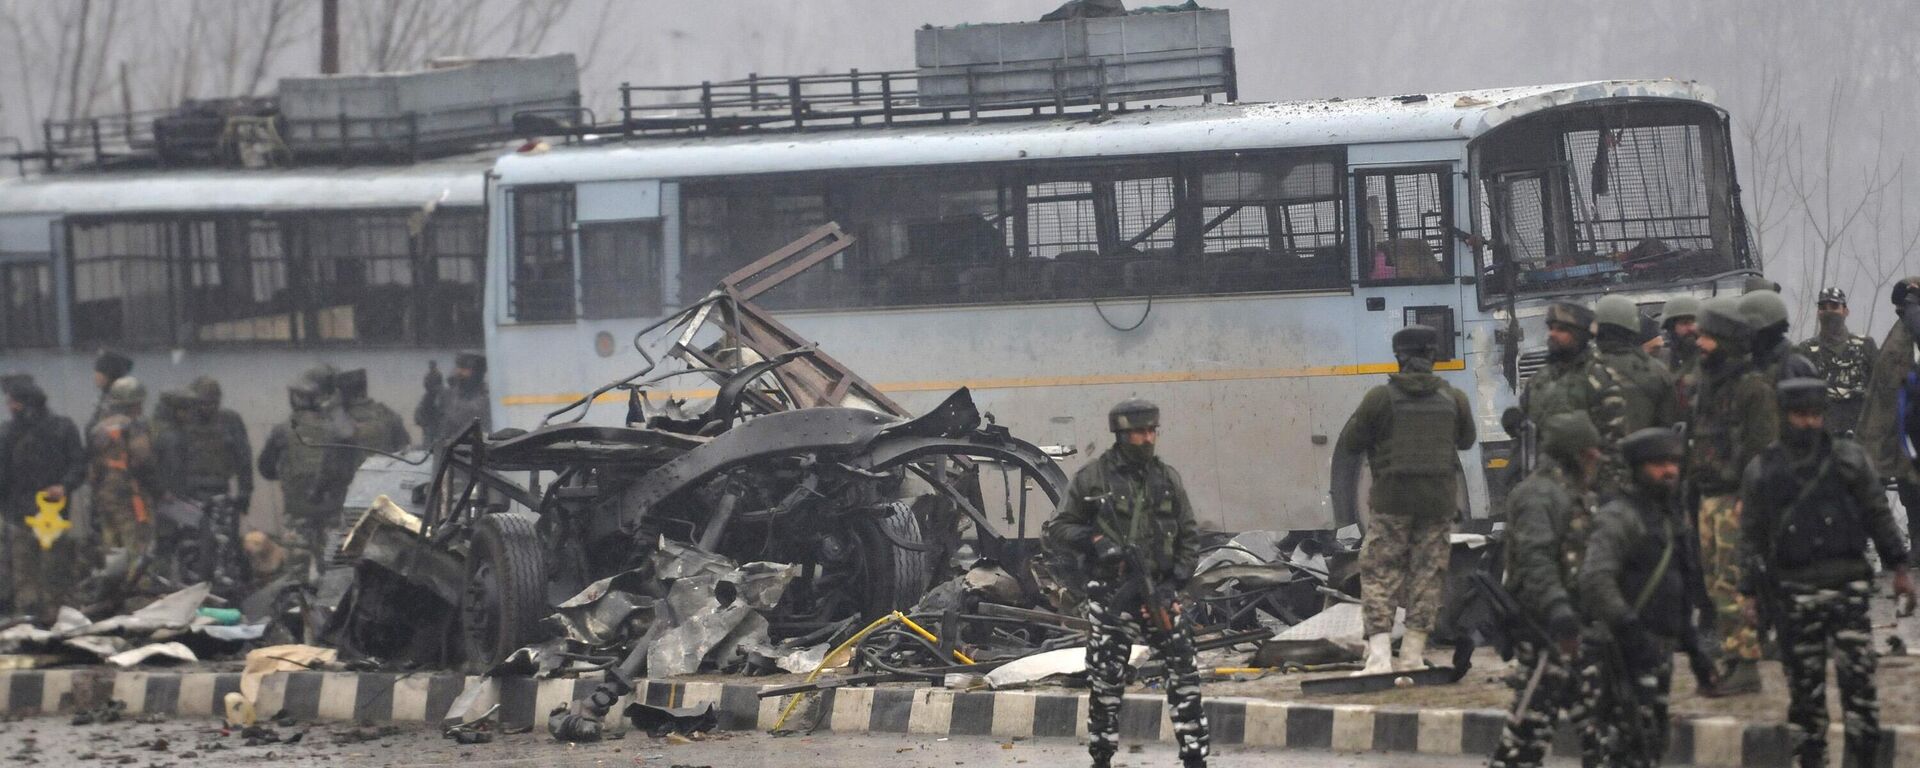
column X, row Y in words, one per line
column 456, row 244
column 1405, row 225
column 121, row 285
column 236, row 282
column 1605, row 196
column 725, row 226
column 620, row 269
column 543, row 279
column 26, row 304
column 361, row 273
column 1273, row 222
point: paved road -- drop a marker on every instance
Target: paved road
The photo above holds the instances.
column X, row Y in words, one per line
column 50, row 743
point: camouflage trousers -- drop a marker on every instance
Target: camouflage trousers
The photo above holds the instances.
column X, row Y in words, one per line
column 1116, row 619
column 1628, row 725
column 1561, row 691
column 1817, row 624
column 119, row 528
column 1720, row 564
column 1402, row 564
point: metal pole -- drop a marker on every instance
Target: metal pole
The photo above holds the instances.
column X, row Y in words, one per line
column 329, row 37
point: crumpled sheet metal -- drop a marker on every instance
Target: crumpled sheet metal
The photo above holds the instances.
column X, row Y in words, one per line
column 172, row 652
column 679, row 649
column 660, row 721
column 1330, row 636
column 596, row 616
column 173, row 612
column 675, row 560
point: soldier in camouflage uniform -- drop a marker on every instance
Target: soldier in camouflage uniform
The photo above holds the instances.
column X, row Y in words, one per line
column 1410, row 430
column 1735, row 417
column 1812, row 503
column 1125, row 512
column 1570, row 382
column 108, row 368
column 1548, row 517
column 1645, row 388
column 204, row 448
column 1634, row 587
column 1681, row 353
column 300, row 453
column 374, row 424
column 122, row 470
column 1844, row 360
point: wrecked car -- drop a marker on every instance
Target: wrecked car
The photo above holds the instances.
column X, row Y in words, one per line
column 795, row 461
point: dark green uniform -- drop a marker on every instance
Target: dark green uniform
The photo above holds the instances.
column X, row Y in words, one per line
column 376, row 426
column 1410, row 430
column 1548, row 517
column 1634, row 587
column 1810, row 512
column 1735, row 418
column 37, row 450
column 1138, row 503
column 313, row 479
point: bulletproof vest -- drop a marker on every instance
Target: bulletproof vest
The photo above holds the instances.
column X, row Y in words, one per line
column 303, row 461
column 1560, row 388
column 1665, row 610
column 1422, row 439
column 1826, row 523
column 209, row 462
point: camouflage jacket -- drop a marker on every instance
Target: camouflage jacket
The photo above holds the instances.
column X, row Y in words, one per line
column 1847, row 365
column 121, row 468
column 1647, row 396
column 1141, row 506
column 1548, row 517
column 1579, row 384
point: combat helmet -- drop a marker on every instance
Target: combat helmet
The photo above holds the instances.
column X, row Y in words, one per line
column 126, row 392
column 1832, row 296
column 1617, row 311
column 1565, row 436
column 1764, row 310
column 1721, row 318
column 1567, row 313
column 1133, row 413
column 1677, row 308
column 1415, row 341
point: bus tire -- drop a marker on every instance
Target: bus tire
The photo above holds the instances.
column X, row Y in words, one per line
column 505, row 596
column 898, row 576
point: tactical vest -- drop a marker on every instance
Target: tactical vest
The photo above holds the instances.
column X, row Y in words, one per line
column 209, row 462
column 1824, row 522
column 1421, row 441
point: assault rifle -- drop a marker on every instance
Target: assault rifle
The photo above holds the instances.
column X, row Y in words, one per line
column 1160, row 614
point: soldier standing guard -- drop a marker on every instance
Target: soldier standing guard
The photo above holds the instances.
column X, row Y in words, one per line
column 374, row 424
column 40, row 457
column 1845, row 360
column 122, row 470
column 1548, row 517
column 1735, row 417
column 1126, row 514
column 1410, row 429
column 1645, row 389
column 1813, row 502
column 1681, row 353
column 1634, row 585
column 300, row 453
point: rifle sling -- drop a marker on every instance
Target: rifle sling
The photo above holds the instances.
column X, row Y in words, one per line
column 1659, row 571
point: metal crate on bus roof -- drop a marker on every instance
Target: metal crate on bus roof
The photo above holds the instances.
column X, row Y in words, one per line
column 411, row 112
column 1142, row 55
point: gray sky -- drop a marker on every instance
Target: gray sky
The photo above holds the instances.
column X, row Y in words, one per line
column 1864, row 54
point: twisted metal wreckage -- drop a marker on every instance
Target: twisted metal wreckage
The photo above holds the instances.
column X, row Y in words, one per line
column 802, row 504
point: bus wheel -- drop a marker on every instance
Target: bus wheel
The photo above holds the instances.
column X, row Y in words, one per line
column 505, row 595
column 892, row 577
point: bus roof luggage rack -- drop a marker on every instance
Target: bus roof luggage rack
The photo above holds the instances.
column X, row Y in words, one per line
column 452, row 106
column 967, row 73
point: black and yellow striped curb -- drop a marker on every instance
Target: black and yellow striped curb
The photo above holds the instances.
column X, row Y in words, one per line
column 423, row 697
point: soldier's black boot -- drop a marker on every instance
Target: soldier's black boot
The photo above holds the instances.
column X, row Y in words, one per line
column 1102, row 760
column 1194, row 762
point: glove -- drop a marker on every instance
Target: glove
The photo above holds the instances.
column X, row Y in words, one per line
column 1108, row 553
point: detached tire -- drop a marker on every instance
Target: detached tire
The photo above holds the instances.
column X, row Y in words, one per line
column 505, row 595
column 896, row 577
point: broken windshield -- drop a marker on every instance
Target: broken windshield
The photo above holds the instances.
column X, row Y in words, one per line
column 1588, row 198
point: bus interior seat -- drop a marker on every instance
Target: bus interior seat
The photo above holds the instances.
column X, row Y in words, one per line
column 1413, row 258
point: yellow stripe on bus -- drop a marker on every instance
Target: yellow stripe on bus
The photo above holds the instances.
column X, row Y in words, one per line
column 1036, row 382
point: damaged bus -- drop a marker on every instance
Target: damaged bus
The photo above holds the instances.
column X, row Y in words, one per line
column 1242, row 264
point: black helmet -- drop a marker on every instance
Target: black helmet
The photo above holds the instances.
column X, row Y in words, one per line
column 1651, row 444
column 352, row 384
column 1133, row 413
column 1415, row 341
column 1803, row 394
column 472, row 362
column 1832, row 296
column 1900, row 290
column 113, row 365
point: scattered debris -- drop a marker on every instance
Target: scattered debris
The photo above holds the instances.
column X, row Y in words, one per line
column 110, row 711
